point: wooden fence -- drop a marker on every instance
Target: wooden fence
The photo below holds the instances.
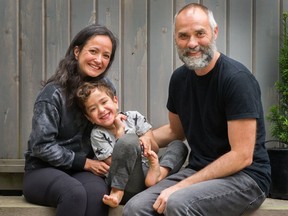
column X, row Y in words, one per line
column 34, row 35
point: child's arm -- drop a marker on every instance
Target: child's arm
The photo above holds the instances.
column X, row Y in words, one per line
column 102, row 144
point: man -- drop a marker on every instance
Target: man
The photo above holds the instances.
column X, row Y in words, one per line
column 215, row 103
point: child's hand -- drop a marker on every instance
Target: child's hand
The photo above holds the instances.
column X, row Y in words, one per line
column 120, row 127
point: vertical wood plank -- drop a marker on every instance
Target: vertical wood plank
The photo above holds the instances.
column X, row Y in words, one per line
column 82, row 13
column 240, row 32
column 134, row 55
column 266, row 50
column 160, row 58
column 57, row 33
column 9, row 82
column 31, row 53
column 285, row 6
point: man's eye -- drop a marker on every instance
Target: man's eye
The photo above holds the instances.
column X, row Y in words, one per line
column 200, row 34
column 182, row 36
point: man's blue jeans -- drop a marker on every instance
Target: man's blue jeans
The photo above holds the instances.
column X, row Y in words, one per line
column 231, row 196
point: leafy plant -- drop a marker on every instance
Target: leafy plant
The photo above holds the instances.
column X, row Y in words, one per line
column 278, row 115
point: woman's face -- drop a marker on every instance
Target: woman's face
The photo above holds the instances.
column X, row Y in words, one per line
column 94, row 58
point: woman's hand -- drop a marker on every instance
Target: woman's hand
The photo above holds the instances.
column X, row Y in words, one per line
column 97, row 167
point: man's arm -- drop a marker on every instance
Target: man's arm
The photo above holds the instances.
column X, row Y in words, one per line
column 169, row 132
column 242, row 137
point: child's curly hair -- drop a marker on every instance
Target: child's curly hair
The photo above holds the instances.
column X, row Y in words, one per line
column 85, row 89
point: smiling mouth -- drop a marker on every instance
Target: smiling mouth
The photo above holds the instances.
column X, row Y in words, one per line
column 105, row 116
column 193, row 54
column 95, row 67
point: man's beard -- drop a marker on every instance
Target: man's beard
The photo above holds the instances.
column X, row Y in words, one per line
column 196, row 63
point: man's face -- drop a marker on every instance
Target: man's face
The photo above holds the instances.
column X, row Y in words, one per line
column 194, row 38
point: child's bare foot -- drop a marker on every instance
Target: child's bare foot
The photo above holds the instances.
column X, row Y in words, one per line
column 154, row 172
column 114, row 199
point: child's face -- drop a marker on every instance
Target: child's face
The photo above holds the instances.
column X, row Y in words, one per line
column 101, row 109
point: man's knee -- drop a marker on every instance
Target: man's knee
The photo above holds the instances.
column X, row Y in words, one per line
column 177, row 206
column 173, row 203
column 130, row 208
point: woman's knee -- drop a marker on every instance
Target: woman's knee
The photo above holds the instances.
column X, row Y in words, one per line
column 75, row 195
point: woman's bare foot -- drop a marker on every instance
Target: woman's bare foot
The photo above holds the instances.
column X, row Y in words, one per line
column 114, row 199
column 154, row 172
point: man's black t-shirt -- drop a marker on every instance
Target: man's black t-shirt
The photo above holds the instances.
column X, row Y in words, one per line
column 205, row 104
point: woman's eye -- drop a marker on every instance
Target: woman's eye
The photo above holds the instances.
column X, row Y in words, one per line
column 106, row 56
column 93, row 52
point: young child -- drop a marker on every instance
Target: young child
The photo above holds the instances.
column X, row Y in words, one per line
column 111, row 132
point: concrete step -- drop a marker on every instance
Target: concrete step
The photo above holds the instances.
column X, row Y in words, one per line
column 17, row 206
column 272, row 207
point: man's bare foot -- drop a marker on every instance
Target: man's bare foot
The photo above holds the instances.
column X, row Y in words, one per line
column 114, row 199
column 154, row 172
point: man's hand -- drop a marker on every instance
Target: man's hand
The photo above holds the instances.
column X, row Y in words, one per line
column 148, row 142
column 161, row 201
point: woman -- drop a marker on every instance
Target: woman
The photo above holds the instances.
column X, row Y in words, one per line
column 59, row 170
